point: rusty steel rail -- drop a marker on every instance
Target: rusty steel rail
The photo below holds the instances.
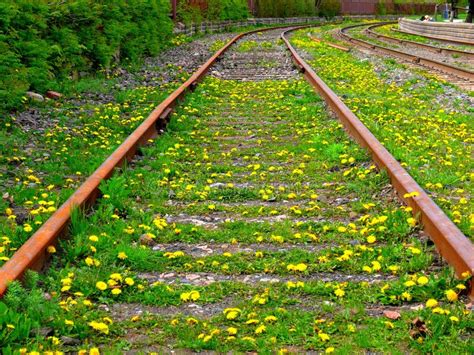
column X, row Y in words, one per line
column 33, row 253
column 450, row 242
column 330, row 44
column 450, row 41
column 426, row 62
column 434, row 49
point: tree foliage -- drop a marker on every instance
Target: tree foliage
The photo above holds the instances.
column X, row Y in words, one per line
column 43, row 41
column 286, row 8
column 216, row 10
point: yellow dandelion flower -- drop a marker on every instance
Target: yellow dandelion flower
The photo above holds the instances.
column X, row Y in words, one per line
column 260, row 329
column 99, row 326
column 411, row 194
column 451, row 295
column 190, row 296
column 323, row 336
column 232, row 330
column 271, row 319
column 101, row 285
column 299, row 267
column 411, row 222
column 422, row 280
column 371, row 239
column 122, row 256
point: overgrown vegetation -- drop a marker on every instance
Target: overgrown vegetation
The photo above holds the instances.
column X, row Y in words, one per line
column 303, row 210
column 216, row 10
column 430, row 136
column 43, row 42
column 386, row 7
column 230, row 234
column 286, row 8
column 329, row 8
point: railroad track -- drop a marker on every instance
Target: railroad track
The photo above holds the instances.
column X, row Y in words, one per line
column 464, row 77
column 252, row 215
column 436, row 38
column 370, row 31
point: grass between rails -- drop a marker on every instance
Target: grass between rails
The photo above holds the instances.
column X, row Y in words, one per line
column 43, row 159
column 325, row 32
column 433, row 142
column 216, row 170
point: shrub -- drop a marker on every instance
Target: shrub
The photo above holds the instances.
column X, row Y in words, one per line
column 188, row 13
column 329, row 8
column 234, row 9
column 285, row 8
column 44, row 41
column 216, row 10
column 385, row 7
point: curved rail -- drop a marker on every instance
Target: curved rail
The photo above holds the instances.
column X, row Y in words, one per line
column 32, row 254
column 450, row 242
column 451, row 41
column 428, row 47
column 426, row 62
column 330, row 44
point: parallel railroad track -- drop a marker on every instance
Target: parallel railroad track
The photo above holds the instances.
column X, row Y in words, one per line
column 430, row 48
column 259, row 117
column 465, row 77
column 436, row 38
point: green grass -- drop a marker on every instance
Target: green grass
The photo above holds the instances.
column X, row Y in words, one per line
column 260, row 173
column 432, row 142
column 298, row 312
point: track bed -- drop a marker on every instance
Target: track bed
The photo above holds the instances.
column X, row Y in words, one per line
column 252, row 224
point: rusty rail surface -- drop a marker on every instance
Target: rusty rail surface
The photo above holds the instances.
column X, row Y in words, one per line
column 426, row 62
column 450, row 242
column 434, row 49
column 330, row 44
column 32, row 254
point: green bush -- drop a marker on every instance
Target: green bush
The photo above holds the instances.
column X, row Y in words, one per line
column 329, row 8
column 381, row 8
column 399, row 7
column 234, row 9
column 44, row 41
column 189, row 14
column 285, row 8
column 216, row 10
